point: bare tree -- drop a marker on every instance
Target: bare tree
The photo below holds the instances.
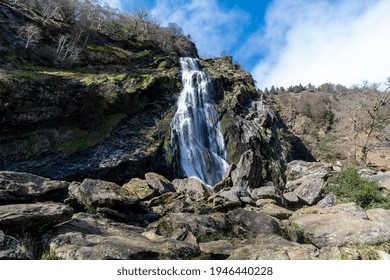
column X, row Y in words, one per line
column 68, row 49
column 30, row 33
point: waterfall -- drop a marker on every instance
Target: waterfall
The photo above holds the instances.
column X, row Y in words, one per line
column 195, row 127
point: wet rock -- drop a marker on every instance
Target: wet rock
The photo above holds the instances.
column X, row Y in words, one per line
column 20, row 217
column 23, row 187
column 12, row 249
column 88, row 237
column 159, row 183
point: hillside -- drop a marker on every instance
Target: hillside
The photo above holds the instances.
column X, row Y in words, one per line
column 336, row 123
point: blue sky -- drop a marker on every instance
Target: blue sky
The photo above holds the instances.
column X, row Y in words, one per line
column 286, row 42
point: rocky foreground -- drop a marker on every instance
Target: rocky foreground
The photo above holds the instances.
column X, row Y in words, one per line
column 154, row 218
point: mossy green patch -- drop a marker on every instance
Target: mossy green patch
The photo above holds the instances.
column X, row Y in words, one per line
column 27, row 147
column 81, row 139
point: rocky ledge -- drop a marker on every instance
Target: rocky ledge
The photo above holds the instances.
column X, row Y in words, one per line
column 154, row 218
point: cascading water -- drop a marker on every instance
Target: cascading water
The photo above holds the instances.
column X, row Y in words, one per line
column 195, row 127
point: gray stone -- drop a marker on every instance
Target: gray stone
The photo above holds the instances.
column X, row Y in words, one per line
column 290, row 197
column 339, row 225
column 266, row 192
column 327, row 201
column 88, row 237
column 248, row 172
column 99, row 193
column 20, row 217
column 310, row 191
column 253, row 222
column 192, row 188
column 23, row 187
column 139, row 189
column 12, row 249
column 272, row 247
column 219, row 249
column 159, row 183
column 276, row 211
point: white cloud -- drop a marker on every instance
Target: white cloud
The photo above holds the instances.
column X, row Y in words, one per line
column 342, row 41
column 212, row 28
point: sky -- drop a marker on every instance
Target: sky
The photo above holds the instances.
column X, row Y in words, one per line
column 286, row 42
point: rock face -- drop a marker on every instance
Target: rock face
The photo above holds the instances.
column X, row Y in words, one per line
column 248, row 171
column 19, row 217
column 247, row 122
column 23, row 187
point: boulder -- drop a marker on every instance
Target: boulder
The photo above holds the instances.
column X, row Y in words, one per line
column 252, row 222
column 248, row 172
column 306, row 180
column 276, row 211
column 298, row 169
column 327, row 201
column 23, row 187
column 273, row 247
column 192, row 187
column 12, row 249
column 87, row 237
column 379, row 215
column 21, row 217
column 266, row 192
column 204, row 227
column 140, row 189
column 98, row 193
column 216, row 250
column 159, row 183
column 310, row 190
column 338, row 225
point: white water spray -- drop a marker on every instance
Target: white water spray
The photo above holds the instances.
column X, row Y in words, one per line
column 195, row 127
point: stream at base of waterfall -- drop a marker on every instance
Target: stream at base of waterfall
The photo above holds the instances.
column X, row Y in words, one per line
column 195, row 128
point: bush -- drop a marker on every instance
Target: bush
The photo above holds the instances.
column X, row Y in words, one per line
column 349, row 185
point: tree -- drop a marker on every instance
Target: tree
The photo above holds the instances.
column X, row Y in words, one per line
column 175, row 29
column 30, row 33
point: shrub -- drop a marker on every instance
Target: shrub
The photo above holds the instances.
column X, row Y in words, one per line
column 349, row 185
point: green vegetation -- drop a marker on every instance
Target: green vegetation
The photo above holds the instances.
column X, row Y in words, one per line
column 49, row 255
column 350, row 186
column 82, row 139
column 28, row 147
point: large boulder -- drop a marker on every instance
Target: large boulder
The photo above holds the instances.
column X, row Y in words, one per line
column 24, row 187
column 87, row 237
column 192, row 187
column 252, row 222
column 306, row 181
column 21, row 217
column 273, row 247
column 140, row 189
column 12, row 249
column 159, row 183
column 248, row 173
column 204, row 227
column 339, row 225
column 98, row 193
